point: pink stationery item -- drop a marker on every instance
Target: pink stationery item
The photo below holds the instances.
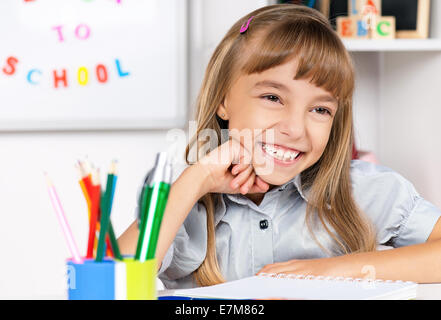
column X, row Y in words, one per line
column 63, row 222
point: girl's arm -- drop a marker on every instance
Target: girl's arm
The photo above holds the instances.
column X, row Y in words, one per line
column 184, row 193
column 419, row 263
column 211, row 174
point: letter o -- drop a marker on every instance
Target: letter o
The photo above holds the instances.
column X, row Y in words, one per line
column 101, row 73
column 86, row 32
column 83, row 76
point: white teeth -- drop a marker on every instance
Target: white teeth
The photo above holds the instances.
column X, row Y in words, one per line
column 279, row 153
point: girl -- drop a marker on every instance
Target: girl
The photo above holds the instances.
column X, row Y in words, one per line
column 289, row 199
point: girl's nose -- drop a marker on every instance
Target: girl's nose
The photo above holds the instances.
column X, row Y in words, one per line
column 293, row 125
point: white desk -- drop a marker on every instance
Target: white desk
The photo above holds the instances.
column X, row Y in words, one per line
column 429, row 291
column 424, row 292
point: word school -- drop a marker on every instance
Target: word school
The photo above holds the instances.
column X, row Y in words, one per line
column 60, row 77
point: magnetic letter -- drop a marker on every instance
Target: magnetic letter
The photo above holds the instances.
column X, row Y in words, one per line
column 101, row 73
column 60, row 34
column 86, row 32
column 10, row 68
column 120, row 72
column 83, row 76
column 62, row 78
column 30, row 73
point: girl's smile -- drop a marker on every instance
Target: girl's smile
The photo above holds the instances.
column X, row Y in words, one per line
column 281, row 155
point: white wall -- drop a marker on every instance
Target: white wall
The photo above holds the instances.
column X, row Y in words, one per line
column 396, row 114
column 32, row 245
column 410, row 115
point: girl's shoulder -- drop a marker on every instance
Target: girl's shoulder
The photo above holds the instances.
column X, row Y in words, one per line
column 401, row 216
column 374, row 182
column 360, row 167
column 363, row 170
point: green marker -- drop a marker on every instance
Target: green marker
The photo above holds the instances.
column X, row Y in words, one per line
column 152, row 204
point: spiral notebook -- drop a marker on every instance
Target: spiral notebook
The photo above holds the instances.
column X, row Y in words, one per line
column 270, row 286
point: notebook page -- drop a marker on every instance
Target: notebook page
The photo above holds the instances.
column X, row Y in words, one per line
column 258, row 287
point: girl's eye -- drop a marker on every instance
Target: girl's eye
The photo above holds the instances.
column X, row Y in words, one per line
column 271, row 98
column 321, row 110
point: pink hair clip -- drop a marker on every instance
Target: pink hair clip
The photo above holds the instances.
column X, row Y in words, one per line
column 243, row 29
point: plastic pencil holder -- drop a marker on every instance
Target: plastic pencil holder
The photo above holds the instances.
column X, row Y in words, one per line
column 112, row 280
column 91, row 280
column 140, row 279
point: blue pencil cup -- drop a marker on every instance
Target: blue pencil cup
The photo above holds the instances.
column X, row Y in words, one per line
column 91, row 280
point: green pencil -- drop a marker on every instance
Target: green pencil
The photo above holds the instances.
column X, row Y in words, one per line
column 106, row 207
column 152, row 206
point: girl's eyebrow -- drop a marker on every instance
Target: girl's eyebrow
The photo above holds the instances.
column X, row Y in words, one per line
column 273, row 84
column 326, row 98
column 281, row 86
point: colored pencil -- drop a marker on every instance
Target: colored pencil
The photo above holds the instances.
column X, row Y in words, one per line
column 105, row 212
column 152, row 204
column 63, row 221
column 113, row 241
column 95, row 207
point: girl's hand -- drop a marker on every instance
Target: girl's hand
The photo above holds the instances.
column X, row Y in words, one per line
column 314, row 267
column 218, row 165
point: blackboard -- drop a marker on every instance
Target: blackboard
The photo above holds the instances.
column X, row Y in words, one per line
column 337, row 8
column 405, row 12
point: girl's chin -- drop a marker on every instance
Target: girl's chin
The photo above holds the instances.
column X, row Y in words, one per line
column 272, row 180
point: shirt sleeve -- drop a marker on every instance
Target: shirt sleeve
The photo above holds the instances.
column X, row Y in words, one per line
column 400, row 215
column 189, row 247
column 417, row 225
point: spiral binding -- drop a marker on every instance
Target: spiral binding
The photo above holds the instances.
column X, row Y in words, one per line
column 294, row 276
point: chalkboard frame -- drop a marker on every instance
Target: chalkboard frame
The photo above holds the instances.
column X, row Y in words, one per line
column 422, row 22
column 422, row 25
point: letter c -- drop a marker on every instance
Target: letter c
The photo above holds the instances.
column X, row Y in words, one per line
column 29, row 76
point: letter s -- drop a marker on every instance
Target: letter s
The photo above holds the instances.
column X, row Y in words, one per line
column 10, row 68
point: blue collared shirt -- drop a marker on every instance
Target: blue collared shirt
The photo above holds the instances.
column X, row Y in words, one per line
column 250, row 236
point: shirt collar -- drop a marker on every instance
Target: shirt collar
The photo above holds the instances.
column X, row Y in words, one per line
column 295, row 182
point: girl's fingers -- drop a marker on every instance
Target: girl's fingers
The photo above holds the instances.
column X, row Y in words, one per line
column 248, row 184
column 241, row 177
column 238, row 168
column 276, row 268
column 261, row 184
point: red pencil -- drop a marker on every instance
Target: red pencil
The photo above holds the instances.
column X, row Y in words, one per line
column 95, row 195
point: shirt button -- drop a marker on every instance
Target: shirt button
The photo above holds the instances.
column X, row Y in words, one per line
column 263, row 224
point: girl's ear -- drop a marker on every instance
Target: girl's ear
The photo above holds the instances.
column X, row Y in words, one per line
column 222, row 116
column 222, row 112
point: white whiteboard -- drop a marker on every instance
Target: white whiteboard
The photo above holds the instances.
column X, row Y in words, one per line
column 92, row 64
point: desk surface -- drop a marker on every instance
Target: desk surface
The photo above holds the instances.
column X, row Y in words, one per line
column 424, row 292
column 429, row 291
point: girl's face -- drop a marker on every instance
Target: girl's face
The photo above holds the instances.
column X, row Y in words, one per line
column 289, row 120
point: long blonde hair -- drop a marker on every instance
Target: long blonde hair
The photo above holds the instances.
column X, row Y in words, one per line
column 277, row 34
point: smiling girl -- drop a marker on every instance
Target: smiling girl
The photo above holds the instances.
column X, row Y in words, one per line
column 289, row 199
